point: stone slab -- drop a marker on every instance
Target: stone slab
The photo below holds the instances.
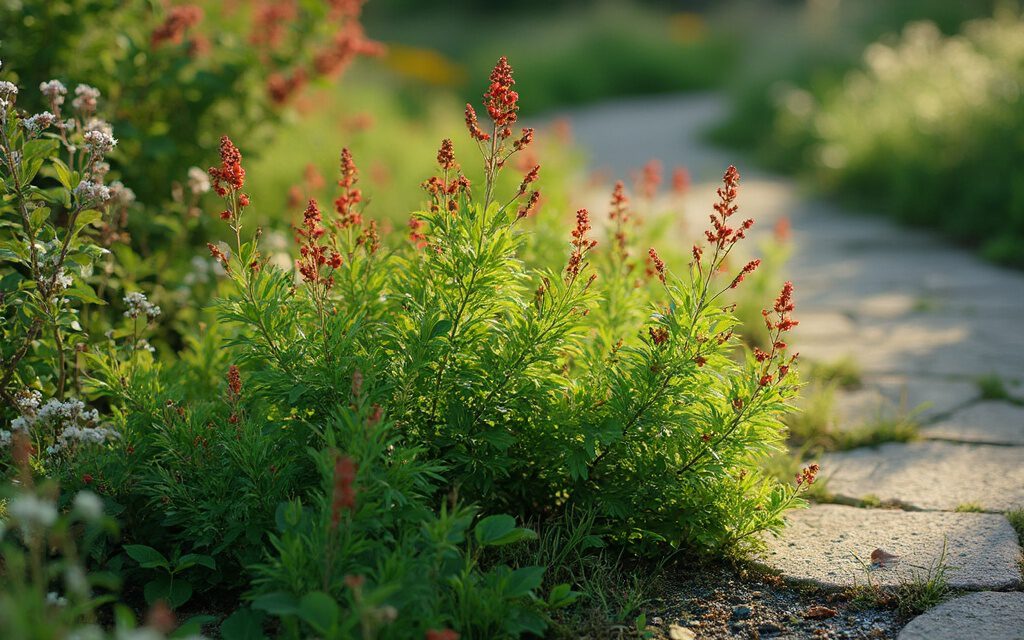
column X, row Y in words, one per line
column 830, row 546
column 988, row 615
column 991, row 422
column 929, row 475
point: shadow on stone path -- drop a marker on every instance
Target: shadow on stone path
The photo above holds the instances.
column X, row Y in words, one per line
column 924, row 320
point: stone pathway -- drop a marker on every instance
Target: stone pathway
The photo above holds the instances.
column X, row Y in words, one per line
column 925, row 322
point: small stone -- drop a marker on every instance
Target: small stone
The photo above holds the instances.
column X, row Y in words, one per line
column 741, row 613
column 675, row 632
column 768, row 628
column 819, row 612
column 974, row 616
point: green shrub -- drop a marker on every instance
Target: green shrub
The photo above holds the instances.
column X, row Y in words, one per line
column 322, row 439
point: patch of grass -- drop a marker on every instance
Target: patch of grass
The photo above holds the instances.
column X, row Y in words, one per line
column 815, row 426
column 899, row 428
column 992, row 387
column 1016, row 518
column 871, row 501
column 969, row 507
column 915, row 593
column 845, row 372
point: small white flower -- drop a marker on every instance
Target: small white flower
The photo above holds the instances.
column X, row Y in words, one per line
column 89, row 191
column 62, row 279
column 54, row 90
column 28, row 400
column 56, row 600
column 198, row 181
column 29, row 511
column 88, row 505
column 121, row 195
column 99, row 171
column 99, row 142
column 139, row 305
column 5, row 438
column 37, row 123
column 85, row 98
column 8, row 91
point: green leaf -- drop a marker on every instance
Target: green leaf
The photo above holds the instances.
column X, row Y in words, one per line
column 320, row 611
column 193, row 559
column 82, row 291
column 174, row 592
column 63, row 173
column 562, row 595
column 243, row 624
column 147, row 557
column 441, row 327
column 499, row 530
column 192, row 627
column 524, row 580
column 277, row 603
column 39, row 216
column 86, row 217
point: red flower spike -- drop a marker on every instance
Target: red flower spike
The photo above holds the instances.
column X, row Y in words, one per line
column 230, row 175
column 501, row 100
column 659, row 264
column 473, row 125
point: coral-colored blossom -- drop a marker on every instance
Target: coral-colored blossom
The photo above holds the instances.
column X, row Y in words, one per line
column 343, row 494
column 230, row 175
column 501, row 100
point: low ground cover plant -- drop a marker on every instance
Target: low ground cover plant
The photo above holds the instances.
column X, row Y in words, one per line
column 350, row 445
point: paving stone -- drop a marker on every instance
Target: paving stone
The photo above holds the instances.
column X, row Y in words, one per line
column 930, row 475
column 988, row 615
column 992, row 422
column 830, row 546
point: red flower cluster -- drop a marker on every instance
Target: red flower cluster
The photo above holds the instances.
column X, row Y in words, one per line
column 659, row 264
column 230, row 176
column 343, row 495
column 530, row 206
column 270, row 23
column 807, row 476
column 680, row 181
column 178, row 20
column 619, row 214
column 501, row 100
column 528, row 179
column 744, row 272
column 580, row 244
column 350, row 196
column 444, row 187
column 441, row 634
column 473, row 125
column 659, row 335
column 348, row 43
column 234, row 383
column 650, row 179
column 281, row 87
column 313, row 254
column 721, row 233
column 783, row 306
column 780, row 324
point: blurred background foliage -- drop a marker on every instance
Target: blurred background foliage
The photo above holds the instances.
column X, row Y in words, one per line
column 798, row 73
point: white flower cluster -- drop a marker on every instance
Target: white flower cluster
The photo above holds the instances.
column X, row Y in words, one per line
column 62, row 280
column 54, row 90
column 69, row 420
column 85, row 98
column 120, row 195
column 89, row 191
column 139, row 305
column 30, row 512
column 35, row 125
column 99, row 142
column 8, row 90
column 54, row 599
column 198, row 181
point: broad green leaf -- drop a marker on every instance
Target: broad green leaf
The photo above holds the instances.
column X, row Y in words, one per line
column 524, row 580
column 320, row 611
column 277, row 603
column 63, row 173
column 147, row 557
column 39, row 216
column 499, row 530
column 192, row 627
column 193, row 559
column 243, row 624
column 175, row 593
